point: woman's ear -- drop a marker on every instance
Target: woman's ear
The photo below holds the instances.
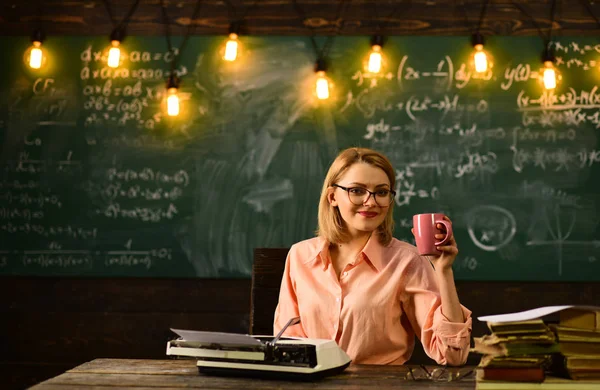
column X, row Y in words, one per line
column 331, row 197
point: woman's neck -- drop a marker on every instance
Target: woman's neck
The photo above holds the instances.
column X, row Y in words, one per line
column 355, row 245
column 346, row 253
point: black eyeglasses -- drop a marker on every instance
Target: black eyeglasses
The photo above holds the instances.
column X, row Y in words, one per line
column 439, row 374
column 360, row 195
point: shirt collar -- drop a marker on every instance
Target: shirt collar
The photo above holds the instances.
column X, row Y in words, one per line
column 321, row 250
column 372, row 251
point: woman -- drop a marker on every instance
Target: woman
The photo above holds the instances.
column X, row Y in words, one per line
column 356, row 284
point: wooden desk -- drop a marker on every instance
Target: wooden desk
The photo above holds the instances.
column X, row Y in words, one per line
column 115, row 373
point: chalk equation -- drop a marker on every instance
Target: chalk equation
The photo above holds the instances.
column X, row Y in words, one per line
column 491, row 227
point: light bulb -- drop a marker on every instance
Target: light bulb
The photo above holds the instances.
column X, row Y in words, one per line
column 35, row 56
column 114, row 54
column 481, row 61
column 231, row 48
column 172, row 102
column 549, row 75
column 375, row 60
column 322, row 85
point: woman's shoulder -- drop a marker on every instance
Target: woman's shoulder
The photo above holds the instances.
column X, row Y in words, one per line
column 404, row 253
column 309, row 243
column 307, row 249
column 403, row 247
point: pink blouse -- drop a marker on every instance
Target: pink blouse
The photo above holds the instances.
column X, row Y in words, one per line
column 375, row 308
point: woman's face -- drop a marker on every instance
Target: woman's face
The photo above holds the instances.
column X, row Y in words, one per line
column 364, row 217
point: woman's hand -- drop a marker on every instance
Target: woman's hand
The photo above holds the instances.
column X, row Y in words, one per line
column 451, row 308
column 449, row 250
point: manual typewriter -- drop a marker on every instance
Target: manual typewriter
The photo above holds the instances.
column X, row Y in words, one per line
column 233, row 354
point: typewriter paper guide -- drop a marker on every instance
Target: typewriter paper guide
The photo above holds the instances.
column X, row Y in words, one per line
column 217, row 338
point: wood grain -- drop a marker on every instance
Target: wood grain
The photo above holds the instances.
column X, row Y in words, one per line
column 183, row 373
column 279, row 17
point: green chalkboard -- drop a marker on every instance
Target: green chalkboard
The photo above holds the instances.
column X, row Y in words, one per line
column 98, row 181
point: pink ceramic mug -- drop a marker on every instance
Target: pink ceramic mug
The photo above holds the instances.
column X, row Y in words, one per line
column 425, row 229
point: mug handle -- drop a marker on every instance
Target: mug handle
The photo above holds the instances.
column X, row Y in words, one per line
column 448, row 227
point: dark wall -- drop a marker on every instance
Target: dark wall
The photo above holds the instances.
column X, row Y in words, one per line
column 53, row 324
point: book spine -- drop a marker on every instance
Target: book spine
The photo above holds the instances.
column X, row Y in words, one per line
column 511, row 374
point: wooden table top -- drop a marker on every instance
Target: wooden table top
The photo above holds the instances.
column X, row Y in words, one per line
column 177, row 373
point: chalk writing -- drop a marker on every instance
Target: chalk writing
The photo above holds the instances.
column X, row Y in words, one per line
column 19, row 185
column 540, row 191
column 553, row 226
column 491, row 227
column 443, row 71
column 467, row 263
column 39, row 199
column 558, row 159
column 149, row 175
column 406, row 188
column 476, row 163
column 61, row 258
column 16, row 213
column 115, row 191
column 144, row 214
column 52, row 231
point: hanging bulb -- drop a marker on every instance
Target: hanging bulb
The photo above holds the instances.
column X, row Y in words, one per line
column 481, row 62
column 375, row 57
column 375, row 60
column 231, row 47
column 114, row 54
column 549, row 74
column 172, row 96
column 172, row 102
column 36, row 55
column 322, row 86
column 481, row 59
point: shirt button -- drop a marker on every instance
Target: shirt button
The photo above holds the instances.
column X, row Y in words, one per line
column 337, row 299
column 345, row 273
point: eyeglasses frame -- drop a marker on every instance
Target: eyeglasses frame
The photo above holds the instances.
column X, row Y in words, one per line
column 437, row 375
column 371, row 193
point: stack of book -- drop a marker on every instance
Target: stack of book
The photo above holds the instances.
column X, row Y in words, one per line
column 556, row 347
column 578, row 336
column 515, row 351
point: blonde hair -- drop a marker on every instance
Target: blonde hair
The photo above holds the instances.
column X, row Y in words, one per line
column 331, row 225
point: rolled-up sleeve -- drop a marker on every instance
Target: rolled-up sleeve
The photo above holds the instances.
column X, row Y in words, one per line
column 445, row 342
column 287, row 307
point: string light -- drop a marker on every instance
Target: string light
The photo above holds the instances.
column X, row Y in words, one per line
column 173, row 96
column 173, row 104
column 481, row 60
column 322, row 85
column 35, row 54
column 231, row 47
column 375, row 57
column 114, row 54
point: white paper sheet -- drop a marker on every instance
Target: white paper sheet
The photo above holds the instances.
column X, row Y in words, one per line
column 526, row 315
column 217, row 337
